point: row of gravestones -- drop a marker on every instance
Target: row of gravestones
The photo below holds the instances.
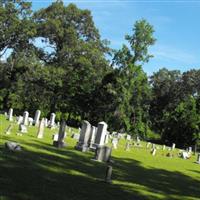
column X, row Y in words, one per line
column 25, row 120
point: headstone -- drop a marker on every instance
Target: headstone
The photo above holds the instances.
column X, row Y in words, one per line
column 93, row 133
column 12, row 146
column 103, row 153
column 19, row 120
column 108, row 174
column 198, row 158
column 52, row 120
column 83, row 143
column 173, row 146
column 8, row 130
column 148, row 144
column 41, row 129
column 153, row 152
column 30, row 121
column 190, row 150
column 55, row 137
column 101, row 134
column 45, row 122
column 10, row 114
column 163, row 147
column 127, row 146
column 128, row 137
column 61, row 136
column 153, row 146
column 114, row 143
column 22, row 128
column 185, row 155
column 25, row 118
column 37, row 118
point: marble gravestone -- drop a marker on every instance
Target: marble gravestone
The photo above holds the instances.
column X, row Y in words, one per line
column 41, row 129
column 61, row 136
column 36, row 120
column 25, row 118
column 52, row 120
column 10, row 115
column 92, row 136
column 83, row 143
column 103, row 154
column 101, row 134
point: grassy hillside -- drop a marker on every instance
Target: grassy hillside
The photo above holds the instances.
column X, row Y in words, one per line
column 44, row 172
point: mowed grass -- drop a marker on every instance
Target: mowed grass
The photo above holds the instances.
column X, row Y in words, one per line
column 44, row 172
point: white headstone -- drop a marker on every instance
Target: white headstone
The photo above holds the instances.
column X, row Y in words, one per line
column 173, row 146
column 101, row 133
column 153, row 152
column 30, row 121
column 128, row 137
column 37, row 117
column 41, row 129
column 52, row 120
column 10, row 114
column 19, row 120
column 115, row 143
column 22, row 128
column 61, row 136
column 25, row 118
column 93, row 135
column 148, row 144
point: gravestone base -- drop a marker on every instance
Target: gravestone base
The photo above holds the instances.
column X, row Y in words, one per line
column 59, row 144
column 103, row 154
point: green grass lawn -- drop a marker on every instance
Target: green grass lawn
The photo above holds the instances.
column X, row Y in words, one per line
column 44, row 172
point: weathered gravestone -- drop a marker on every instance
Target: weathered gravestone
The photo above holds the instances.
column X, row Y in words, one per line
column 153, row 152
column 93, row 133
column 36, row 120
column 25, row 118
column 19, row 120
column 52, row 120
column 128, row 138
column 83, row 143
column 101, row 134
column 103, row 154
column 163, row 147
column 114, row 143
column 12, row 146
column 41, row 129
column 148, row 144
column 10, row 114
column 61, row 136
column 22, row 128
column 108, row 174
column 30, row 121
column 173, row 146
column 127, row 146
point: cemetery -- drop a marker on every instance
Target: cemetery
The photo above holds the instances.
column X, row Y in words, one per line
column 99, row 100
column 34, row 165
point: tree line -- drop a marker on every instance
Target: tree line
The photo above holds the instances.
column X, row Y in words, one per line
column 59, row 63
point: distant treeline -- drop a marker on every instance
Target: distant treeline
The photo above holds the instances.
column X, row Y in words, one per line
column 59, row 63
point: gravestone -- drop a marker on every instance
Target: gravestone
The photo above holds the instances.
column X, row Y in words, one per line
column 128, row 137
column 8, row 130
column 163, row 147
column 103, row 153
column 101, row 134
column 61, row 136
column 108, row 174
column 45, row 122
column 153, row 152
column 92, row 136
column 114, row 143
column 153, row 146
column 55, row 137
column 12, row 146
column 41, row 129
column 127, row 146
column 30, row 121
column 10, row 114
column 190, row 149
column 107, row 138
column 22, row 128
column 148, row 145
column 173, row 146
column 198, row 158
column 83, row 143
column 19, row 120
column 25, row 118
column 52, row 120
column 37, row 118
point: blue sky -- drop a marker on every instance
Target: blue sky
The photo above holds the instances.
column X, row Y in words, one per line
column 176, row 24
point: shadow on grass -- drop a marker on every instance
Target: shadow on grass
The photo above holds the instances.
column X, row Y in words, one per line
column 64, row 174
